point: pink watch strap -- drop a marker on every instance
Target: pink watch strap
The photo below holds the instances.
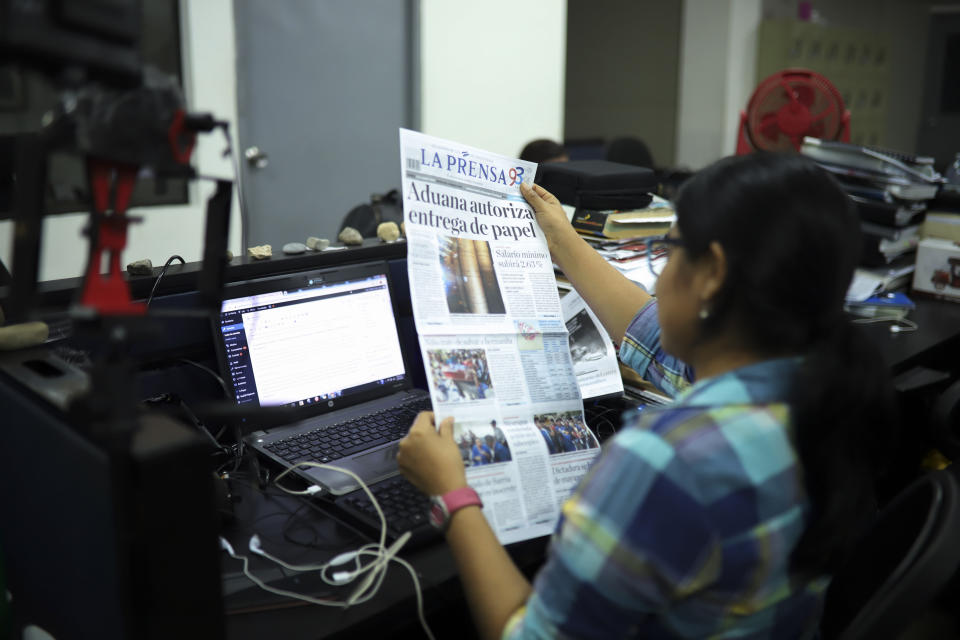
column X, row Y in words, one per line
column 460, row 498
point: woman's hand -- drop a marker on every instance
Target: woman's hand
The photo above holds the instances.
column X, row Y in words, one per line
column 429, row 458
column 550, row 215
column 613, row 297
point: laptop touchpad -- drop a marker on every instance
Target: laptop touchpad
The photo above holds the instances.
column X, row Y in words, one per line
column 379, row 462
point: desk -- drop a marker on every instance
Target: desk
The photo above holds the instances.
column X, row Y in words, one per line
column 301, row 534
column 935, row 343
column 251, row 613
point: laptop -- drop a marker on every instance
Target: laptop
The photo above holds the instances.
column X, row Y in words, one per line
column 325, row 343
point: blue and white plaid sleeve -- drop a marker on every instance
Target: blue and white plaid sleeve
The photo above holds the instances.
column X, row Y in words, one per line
column 615, row 560
column 641, row 351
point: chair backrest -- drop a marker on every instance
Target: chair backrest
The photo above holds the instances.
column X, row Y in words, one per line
column 367, row 216
column 906, row 558
column 629, row 150
column 945, row 421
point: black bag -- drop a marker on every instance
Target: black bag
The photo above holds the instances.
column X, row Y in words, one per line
column 366, row 217
column 598, row 185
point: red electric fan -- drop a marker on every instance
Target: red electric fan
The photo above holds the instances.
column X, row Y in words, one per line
column 789, row 105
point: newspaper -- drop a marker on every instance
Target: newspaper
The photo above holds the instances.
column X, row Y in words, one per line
column 492, row 332
column 594, row 356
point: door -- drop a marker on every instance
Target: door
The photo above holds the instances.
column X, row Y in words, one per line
column 939, row 134
column 322, row 88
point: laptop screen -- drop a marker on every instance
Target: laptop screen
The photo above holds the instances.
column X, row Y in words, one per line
column 305, row 339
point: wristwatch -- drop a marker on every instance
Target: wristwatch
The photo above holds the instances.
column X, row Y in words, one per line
column 443, row 507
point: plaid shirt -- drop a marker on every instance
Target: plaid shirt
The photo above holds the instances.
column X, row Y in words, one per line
column 684, row 525
column 640, row 350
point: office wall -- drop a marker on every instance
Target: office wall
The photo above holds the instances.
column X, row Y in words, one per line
column 717, row 60
column 209, row 84
column 622, row 72
column 492, row 73
column 907, row 21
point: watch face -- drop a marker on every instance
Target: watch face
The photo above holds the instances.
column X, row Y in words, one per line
column 438, row 514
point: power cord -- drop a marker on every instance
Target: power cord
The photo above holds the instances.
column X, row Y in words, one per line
column 173, row 400
column 163, row 271
column 371, row 574
column 900, row 324
column 603, row 426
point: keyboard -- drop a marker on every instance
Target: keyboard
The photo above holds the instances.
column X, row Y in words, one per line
column 403, row 505
column 329, row 443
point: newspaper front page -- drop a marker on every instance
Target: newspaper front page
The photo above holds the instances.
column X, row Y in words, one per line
column 492, row 331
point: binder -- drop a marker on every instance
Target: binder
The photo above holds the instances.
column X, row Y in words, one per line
column 884, row 162
column 881, row 186
column 889, row 233
column 899, row 194
column 890, row 214
column 881, row 245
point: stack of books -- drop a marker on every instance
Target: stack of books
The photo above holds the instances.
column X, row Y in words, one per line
column 883, row 306
column 621, row 236
column 891, row 191
column 653, row 220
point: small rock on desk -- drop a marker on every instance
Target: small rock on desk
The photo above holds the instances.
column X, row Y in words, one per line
column 140, row 267
column 317, row 244
column 388, row 231
column 350, row 236
column 260, row 252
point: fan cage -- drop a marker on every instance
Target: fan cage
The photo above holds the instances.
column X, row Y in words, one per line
column 778, row 121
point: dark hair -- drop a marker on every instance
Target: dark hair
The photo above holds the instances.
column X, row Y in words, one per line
column 627, row 150
column 542, row 150
column 791, row 238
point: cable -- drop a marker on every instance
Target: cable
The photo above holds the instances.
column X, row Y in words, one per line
column 901, row 324
column 280, row 592
column 309, row 491
column 174, row 399
column 216, row 376
column 363, row 485
column 372, row 573
column 162, row 272
column 293, row 516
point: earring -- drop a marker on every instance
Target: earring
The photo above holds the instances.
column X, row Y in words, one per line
column 704, row 313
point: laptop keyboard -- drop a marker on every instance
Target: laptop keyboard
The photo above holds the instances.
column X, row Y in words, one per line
column 404, row 507
column 329, row 443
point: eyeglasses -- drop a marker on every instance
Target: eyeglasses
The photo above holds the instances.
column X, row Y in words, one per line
column 658, row 252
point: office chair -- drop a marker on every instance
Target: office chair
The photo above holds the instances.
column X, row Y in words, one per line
column 945, row 422
column 629, row 150
column 904, row 561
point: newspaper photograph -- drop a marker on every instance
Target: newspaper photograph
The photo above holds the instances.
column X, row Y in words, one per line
column 594, row 356
column 493, row 334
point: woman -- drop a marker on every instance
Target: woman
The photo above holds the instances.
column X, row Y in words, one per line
column 724, row 513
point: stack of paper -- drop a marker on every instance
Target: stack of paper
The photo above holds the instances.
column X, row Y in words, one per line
column 889, row 189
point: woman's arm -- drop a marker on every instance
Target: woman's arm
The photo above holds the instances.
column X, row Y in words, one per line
column 495, row 588
column 613, row 297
